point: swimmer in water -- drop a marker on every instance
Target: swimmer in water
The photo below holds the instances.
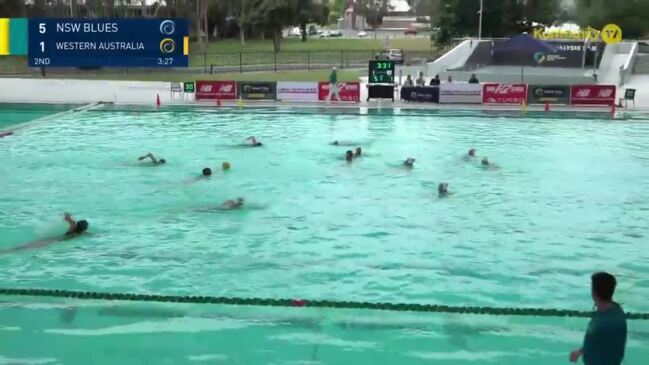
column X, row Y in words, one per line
column 349, row 155
column 358, row 152
column 75, row 228
column 155, row 161
column 485, row 163
column 5, row 134
column 232, row 204
column 254, row 142
column 409, row 162
column 442, row 190
column 335, row 143
column 469, row 155
column 207, row 172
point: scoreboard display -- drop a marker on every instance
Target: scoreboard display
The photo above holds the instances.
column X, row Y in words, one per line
column 106, row 42
column 381, row 72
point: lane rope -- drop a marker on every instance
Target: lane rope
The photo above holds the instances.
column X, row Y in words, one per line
column 267, row 302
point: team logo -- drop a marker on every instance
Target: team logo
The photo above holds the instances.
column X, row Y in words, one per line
column 206, row 88
column 167, row 27
column 539, row 57
column 167, row 45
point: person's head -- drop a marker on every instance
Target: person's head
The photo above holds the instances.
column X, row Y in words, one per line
column 358, row 151
column 207, row 171
column 408, row 77
column 421, row 74
column 349, row 155
column 162, row 160
column 450, row 78
column 410, row 162
column 473, row 76
column 333, row 69
column 225, row 165
column 602, row 286
column 485, row 161
column 335, row 143
column 472, row 152
column 81, row 226
column 442, row 188
column 436, row 77
column 240, row 200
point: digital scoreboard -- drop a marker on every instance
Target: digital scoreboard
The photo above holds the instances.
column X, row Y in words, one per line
column 105, row 42
column 381, row 72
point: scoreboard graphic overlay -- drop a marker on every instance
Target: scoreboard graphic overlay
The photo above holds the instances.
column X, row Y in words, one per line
column 108, row 42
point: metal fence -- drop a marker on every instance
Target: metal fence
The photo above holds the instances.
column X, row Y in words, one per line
column 297, row 60
column 239, row 62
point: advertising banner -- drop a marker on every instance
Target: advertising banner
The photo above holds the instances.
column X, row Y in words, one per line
column 211, row 90
column 348, row 91
column 460, row 93
column 504, row 93
column 297, row 91
column 257, row 90
column 426, row 93
column 593, row 94
column 551, row 94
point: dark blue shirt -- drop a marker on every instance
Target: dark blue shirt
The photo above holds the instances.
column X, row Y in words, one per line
column 605, row 338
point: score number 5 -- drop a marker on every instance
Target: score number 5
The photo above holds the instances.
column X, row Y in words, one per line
column 42, row 30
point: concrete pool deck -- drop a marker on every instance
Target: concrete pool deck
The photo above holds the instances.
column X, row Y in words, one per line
column 71, row 91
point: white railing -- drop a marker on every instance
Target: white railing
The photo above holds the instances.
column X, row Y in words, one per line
column 627, row 67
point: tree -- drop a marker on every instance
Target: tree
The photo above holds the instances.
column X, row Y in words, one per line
column 630, row 15
column 373, row 11
column 501, row 18
column 309, row 11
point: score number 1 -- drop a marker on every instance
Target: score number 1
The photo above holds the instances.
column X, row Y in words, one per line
column 45, row 60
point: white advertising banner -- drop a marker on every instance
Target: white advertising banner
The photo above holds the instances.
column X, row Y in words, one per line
column 297, row 91
column 460, row 93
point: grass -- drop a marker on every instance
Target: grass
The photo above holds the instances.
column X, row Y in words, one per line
column 314, row 44
column 315, row 75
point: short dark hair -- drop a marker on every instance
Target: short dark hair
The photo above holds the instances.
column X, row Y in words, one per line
column 81, row 226
column 603, row 285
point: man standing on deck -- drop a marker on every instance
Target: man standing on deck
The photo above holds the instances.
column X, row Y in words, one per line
column 605, row 337
column 333, row 85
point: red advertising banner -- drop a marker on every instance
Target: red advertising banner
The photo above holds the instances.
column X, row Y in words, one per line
column 504, row 93
column 348, row 91
column 593, row 94
column 211, row 90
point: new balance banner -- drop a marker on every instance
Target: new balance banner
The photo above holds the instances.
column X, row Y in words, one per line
column 504, row 93
column 460, row 93
column 593, row 94
column 348, row 91
column 211, row 90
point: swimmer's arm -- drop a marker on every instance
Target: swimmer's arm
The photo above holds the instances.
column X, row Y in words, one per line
column 148, row 155
column 71, row 222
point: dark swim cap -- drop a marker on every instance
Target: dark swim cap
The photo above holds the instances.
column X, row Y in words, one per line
column 162, row 160
column 81, row 226
column 207, row 171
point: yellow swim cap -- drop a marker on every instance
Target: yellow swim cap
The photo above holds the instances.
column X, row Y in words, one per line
column 226, row 166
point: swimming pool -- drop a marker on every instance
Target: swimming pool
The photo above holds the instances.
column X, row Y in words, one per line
column 13, row 114
column 571, row 197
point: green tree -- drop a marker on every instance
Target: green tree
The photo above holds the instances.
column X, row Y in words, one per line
column 373, row 10
column 630, row 15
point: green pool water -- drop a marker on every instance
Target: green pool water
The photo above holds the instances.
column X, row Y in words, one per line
column 569, row 197
column 14, row 114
